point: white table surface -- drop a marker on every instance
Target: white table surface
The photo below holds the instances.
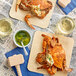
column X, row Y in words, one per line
column 7, row 44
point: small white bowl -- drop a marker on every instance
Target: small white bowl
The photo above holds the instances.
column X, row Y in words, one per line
column 15, row 40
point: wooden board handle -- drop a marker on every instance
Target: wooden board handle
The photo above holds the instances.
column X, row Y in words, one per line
column 18, row 70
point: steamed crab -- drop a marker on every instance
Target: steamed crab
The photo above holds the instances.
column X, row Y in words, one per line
column 38, row 8
column 53, row 57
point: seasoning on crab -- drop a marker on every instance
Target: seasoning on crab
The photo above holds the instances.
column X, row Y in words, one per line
column 37, row 8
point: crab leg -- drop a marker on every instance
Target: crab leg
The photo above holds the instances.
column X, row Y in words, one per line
column 27, row 21
column 22, row 8
column 68, row 69
column 51, row 70
column 44, row 45
column 41, row 67
column 17, row 4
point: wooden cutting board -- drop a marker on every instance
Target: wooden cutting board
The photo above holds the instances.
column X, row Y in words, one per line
column 66, row 42
column 43, row 23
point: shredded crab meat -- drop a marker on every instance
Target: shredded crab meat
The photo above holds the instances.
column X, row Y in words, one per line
column 49, row 59
column 36, row 9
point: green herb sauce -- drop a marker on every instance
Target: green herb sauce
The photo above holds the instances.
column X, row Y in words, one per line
column 22, row 36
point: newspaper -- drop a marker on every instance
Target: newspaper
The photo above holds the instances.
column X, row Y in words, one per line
column 7, row 43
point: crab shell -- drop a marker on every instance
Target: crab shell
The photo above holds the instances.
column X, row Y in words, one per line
column 43, row 3
column 44, row 7
column 54, row 48
column 59, row 57
column 53, row 57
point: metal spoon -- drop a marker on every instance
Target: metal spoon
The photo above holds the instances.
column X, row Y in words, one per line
column 26, row 53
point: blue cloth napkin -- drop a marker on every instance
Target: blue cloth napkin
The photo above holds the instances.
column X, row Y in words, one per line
column 24, row 70
column 69, row 7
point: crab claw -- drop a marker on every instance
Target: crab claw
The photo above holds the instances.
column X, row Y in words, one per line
column 52, row 70
column 17, row 4
column 27, row 21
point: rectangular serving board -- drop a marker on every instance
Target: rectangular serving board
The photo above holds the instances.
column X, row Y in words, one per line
column 20, row 14
column 66, row 42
